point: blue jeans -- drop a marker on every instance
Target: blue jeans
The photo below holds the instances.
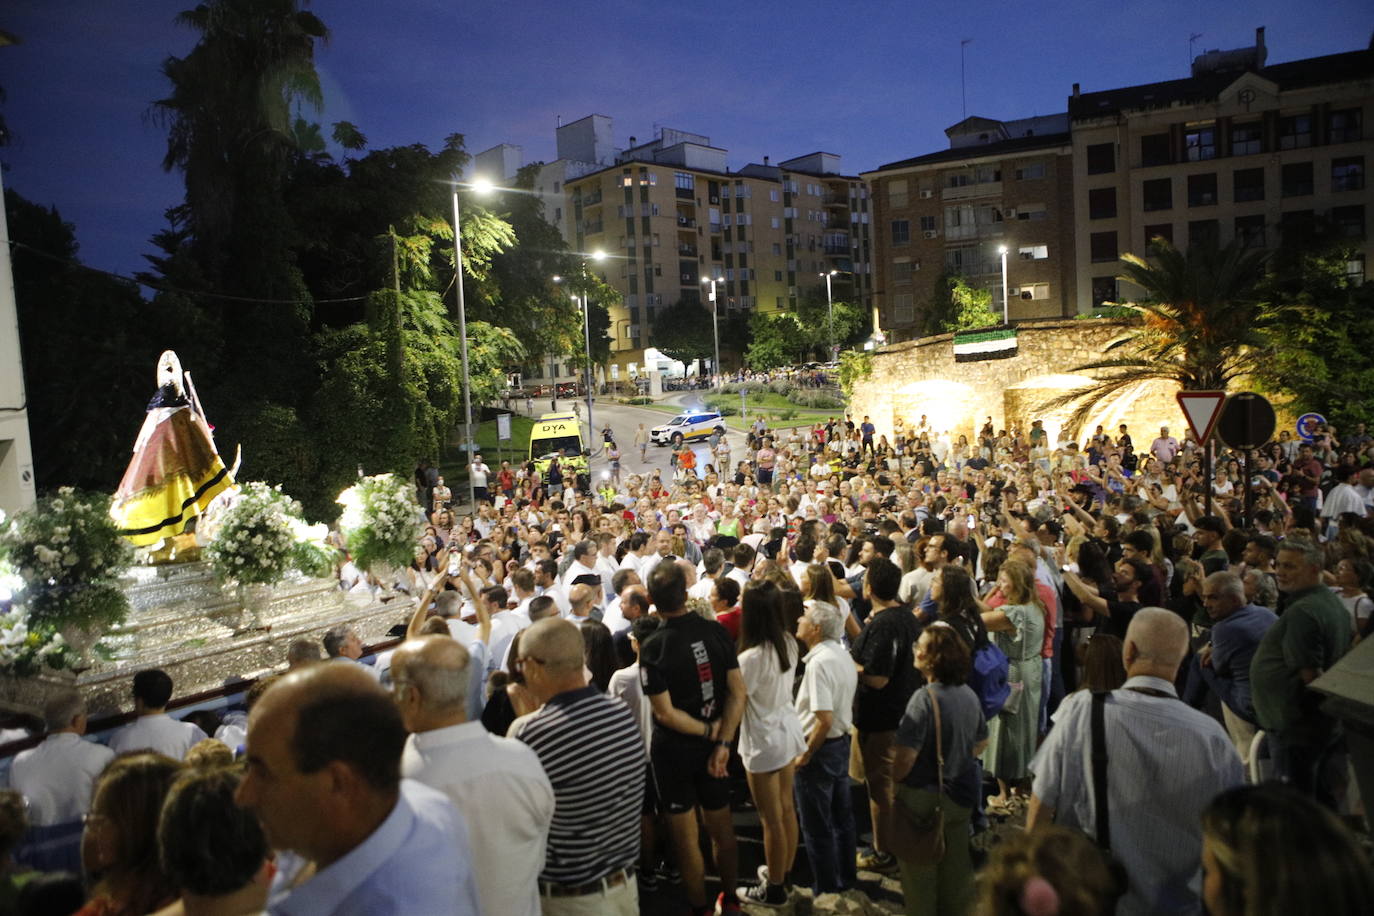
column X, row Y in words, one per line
column 826, row 814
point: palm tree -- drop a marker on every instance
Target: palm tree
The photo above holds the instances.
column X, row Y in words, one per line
column 1202, row 324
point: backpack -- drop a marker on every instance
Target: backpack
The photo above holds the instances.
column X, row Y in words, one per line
column 988, row 678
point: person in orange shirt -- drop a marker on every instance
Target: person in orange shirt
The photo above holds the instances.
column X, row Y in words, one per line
column 687, row 461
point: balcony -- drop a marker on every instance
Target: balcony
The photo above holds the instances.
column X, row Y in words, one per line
column 593, row 228
column 592, row 199
column 685, row 222
column 833, row 248
column 689, row 251
column 685, row 194
column 969, row 191
column 835, row 199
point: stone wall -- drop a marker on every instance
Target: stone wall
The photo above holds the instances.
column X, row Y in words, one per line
column 920, row 377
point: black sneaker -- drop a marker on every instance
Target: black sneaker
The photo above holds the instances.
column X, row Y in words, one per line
column 762, row 894
column 648, row 880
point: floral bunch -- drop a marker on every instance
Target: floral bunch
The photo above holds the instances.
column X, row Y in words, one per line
column 262, row 538
column 381, row 521
column 25, row 652
column 68, row 556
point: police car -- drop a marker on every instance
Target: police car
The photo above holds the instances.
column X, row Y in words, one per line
column 689, row 426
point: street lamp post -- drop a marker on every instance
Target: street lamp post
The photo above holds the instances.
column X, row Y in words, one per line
column 481, row 186
column 830, row 311
column 1006, row 303
column 715, row 328
column 581, row 299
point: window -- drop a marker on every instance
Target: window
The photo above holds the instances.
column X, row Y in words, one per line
column 1202, row 190
column 1101, row 159
column 1349, row 221
column 1247, row 184
column 1296, row 227
column 1200, row 142
column 985, row 174
column 1035, row 291
column 1343, row 126
column 1033, row 252
column 896, row 192
column 773, row 195
column 958, row 180
column 1104, row 290
column 775, row 223
column 903, row 308
column 1204, row 232
column 1157, row 194
column 928, row 224
column 1250, row 230
column 1032, row 212
column 1354, row 270
column 1102, row 246
column 558, row 213
column 1347, row 174
column 901, row 271
column 1102, row 203
column 1163, row 231
column 901, row 231
column 1154, row 150
column 1247, row 139
column 683, row 182
column 555, row 187
column 1297, row 179
column 1033, row 170
column 1295, row 131
column 777, row 248
column 777, row 276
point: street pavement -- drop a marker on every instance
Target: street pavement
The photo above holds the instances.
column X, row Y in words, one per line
column 624, row 420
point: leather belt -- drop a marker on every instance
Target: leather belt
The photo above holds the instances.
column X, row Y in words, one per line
column 614, row 879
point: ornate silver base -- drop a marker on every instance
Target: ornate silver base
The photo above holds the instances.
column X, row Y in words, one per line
column 201, row 633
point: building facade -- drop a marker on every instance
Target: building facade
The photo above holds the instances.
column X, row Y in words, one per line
column 1001, row 184
column 673, row 217
column 1236, row 150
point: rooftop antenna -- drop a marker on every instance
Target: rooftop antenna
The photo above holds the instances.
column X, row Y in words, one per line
column 963, row 87
column 1192, row 38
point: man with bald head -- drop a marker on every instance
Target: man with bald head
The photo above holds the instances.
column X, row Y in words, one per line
column 324, row 779
column 497, row 784
column 582, row 599
column 1164, row 761
column 591, row 750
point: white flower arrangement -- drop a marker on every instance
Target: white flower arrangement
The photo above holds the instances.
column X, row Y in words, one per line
column 67, row 556
column 262, row 538
column 381, row 521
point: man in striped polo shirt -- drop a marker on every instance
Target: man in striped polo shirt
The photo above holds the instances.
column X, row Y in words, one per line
column 593, row 755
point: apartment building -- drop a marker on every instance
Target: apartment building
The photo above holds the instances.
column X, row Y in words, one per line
column 1001, row 184
column 1239, row 149
column 673, row 216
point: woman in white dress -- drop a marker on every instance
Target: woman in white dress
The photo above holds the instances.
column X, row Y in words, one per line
column 770, row 733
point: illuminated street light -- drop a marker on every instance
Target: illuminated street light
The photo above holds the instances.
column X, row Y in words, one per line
column 1006, row 304
column 715, row 328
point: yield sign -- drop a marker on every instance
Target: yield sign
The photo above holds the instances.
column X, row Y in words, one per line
column 1201, row 409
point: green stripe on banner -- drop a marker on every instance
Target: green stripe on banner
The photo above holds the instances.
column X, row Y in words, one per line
column 962, row 337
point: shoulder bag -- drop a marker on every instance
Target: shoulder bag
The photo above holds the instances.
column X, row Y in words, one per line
column 919, row 840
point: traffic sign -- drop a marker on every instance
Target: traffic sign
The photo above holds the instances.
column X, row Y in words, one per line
column 1247, row 421
column 1201, row 409
column 1307, row 425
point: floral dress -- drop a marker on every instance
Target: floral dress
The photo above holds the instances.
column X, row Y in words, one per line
column 1012, row 732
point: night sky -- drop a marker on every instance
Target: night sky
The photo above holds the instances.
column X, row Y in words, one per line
column 871, row 81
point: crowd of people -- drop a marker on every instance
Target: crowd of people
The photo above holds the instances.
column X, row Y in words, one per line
column 978, row 631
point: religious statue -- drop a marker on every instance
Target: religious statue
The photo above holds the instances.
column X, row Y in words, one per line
column 176, row 472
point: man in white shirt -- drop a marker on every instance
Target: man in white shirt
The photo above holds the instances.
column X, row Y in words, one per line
column 825, row 702
column 479, row 472
column 663, row 546
column 1165, row 447
column 1343, row 498
column 606, row 563
column 632, row 604
column 712, row 565
column 154, row 730
column 342, row 644
column 497, row 784
column 546, row 583
column 744, row 564
column 57, row 776
column 583, row 563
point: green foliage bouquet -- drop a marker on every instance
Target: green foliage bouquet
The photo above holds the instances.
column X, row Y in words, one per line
column 381, row 521
column 67, row 556
column 262, row 538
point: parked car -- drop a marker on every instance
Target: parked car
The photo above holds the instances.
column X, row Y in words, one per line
column 690, row 425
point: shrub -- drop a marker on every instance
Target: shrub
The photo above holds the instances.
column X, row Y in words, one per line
column 816, row 398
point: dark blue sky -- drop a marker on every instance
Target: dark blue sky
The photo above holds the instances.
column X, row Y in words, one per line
column 872, row 81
